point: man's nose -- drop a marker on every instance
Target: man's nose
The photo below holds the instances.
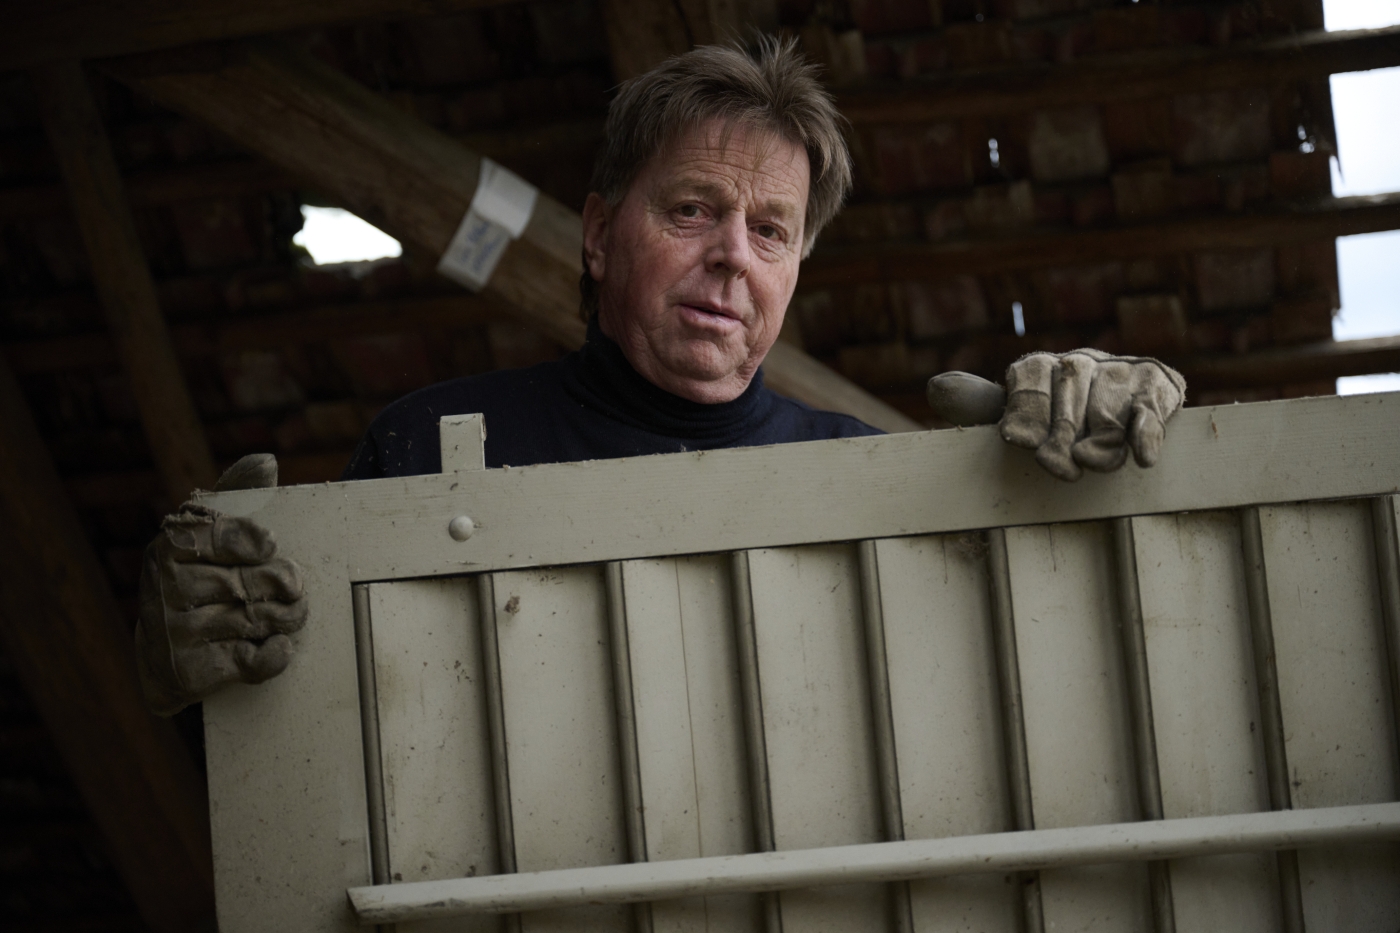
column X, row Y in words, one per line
column 728, row 252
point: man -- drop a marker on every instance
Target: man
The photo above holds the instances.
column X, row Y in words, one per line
column 718, row 171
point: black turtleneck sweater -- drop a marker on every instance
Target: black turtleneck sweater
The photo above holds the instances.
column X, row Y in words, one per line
column 590, row 405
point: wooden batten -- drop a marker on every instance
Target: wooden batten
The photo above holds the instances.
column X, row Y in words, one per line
column 73, row 653
column 1140, row 74
column 406, row 178
column 1034, row 248
column 168, row 416
column 44, row 32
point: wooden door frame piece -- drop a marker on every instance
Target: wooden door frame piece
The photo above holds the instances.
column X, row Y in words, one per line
column 926, row 483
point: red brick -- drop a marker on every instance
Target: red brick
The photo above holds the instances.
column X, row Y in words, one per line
column 1152, row 323
column 1300, row 320
column 1144, row 190
column 385, row 365
column 924, row 55
column 874, row 222
column 214, row 233
column 974, row 44
column 1140, row 129
column 1210, row 336
column 874, row 17
column 909, row 159
column 1221, row 126
column 1309, row 269
column 882, row 60
column 944, row 306
column 1092, row 205
column 1073, row 41
column 1000, row 207
column 1080, row 294
column 1234, row 279
column 946, row 219
column 876, row 366
column 1067, row 144
column 1127, row 29
column 1300, row 175
column 258, row 380
column 1197, row 192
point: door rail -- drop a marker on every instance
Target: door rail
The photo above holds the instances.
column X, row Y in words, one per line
column 881, row 861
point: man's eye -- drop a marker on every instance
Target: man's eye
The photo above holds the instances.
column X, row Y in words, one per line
column 768, row 231
column 689, row 210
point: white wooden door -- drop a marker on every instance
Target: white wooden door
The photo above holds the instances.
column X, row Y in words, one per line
column 582, row 696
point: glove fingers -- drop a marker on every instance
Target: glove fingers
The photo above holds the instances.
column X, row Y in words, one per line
column 281, row 617
column 1026, row 422
column 219, row 622
column 209, row 536
column 1069, row 401
column 259, row 662
column 1147, row 435
column 278, row 579
column 1104, row 445
column 189, row 586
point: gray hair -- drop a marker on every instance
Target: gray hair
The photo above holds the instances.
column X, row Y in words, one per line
column 771, row 87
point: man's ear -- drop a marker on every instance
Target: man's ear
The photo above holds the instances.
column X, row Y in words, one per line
column 596, row 215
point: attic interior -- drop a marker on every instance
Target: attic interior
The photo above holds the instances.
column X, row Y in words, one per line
column 1142, row 177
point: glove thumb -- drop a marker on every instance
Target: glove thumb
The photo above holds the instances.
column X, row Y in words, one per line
column 255, row 471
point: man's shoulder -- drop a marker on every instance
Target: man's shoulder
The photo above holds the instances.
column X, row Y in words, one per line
column 805, row 423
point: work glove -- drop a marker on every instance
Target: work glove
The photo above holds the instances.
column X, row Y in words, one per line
column 1079, row 410
column 216, row 603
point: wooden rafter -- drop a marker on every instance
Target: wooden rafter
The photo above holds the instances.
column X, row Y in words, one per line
column 266, row 332
column 1129, row 76
column 406, row 178
column 1306, row 362
column 72, row 651
column 173, row 431
column 1037, row 248
column 75, row 29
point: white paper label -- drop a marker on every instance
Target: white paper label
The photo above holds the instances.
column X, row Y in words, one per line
column 499, row 213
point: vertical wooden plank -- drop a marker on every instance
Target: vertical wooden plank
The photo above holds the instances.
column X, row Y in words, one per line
column 816, row 714
column 689, row 731
column 433, row 736
column 1077, row 731
column 1205, row 703
column 168, row 416
column 561, row 741
column 947, row 732
column 288, row 754
column 1334, row 690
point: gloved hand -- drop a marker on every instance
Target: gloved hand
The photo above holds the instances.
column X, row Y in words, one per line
column 1082, row 409
column 216, row 603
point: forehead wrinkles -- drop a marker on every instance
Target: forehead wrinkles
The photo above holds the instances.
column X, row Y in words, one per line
column 736, row 160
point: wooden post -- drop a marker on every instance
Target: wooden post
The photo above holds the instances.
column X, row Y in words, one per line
column 414, row 182
column 176, row 437
column 73, row 653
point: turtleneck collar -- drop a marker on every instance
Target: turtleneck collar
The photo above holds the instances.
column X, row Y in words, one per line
column 600, row 377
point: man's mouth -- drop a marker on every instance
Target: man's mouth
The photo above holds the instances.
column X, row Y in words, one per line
column 711, row 312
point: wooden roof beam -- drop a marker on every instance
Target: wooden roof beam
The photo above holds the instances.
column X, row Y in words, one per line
column 410, row 180
column 172, row 427
column 75, row 29
column 1129, row 76
column 1031, row 248
column 1306, row 362
column 73, row 652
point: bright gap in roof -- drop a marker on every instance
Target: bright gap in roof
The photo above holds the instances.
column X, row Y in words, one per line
column 1366, row 107
column 333, row 235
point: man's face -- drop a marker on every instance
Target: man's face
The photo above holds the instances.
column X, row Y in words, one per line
column 697, row 264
